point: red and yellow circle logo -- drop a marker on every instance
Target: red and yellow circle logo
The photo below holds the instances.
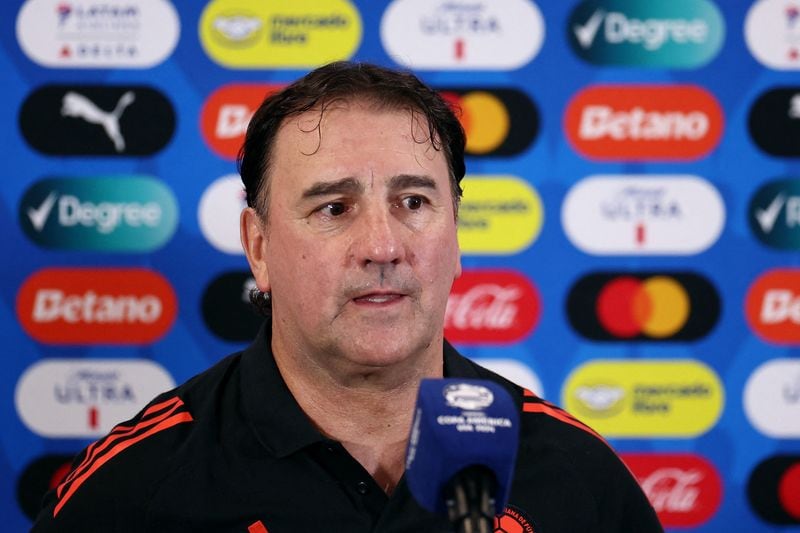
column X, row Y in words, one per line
column 513, row 520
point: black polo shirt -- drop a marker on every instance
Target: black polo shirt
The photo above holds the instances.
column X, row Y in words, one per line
column 231, row 450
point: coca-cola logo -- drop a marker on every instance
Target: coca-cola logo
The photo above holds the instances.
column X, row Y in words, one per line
column 684, row 489
column 491, row 306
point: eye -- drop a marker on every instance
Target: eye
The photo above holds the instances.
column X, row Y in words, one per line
column 413, row 202
column 333, row 209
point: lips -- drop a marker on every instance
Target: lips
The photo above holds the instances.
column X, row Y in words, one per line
column 378, row 298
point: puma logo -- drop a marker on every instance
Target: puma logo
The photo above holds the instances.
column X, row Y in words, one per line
column 78, row 106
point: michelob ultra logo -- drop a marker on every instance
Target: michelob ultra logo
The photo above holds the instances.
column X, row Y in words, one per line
column 772, row 32
column 645, row 398
column 227, row 112
column 96, row 306
column 114, row 214
column 460, row 34
column 497, row 122
column 642, row 33
column 644, row 122
column 774, row 214
column 651, row 306
column 279, row 33
column 774, row 120
column 498, row 215
column 772, row 398
column 641, row 214
column 772, row 306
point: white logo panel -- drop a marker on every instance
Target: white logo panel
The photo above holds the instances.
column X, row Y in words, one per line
column 218, row 213
column 772, row 398
column 772, row 32
column 514, row 371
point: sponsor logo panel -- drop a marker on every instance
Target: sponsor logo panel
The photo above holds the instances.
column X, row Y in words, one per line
column 491, row 306
column 774, row 120
column 772, row 306
column 645, row 398
column 676, row 34
column 218, row 213
column 772, row 33
column 772, row 398
column 77, row 398
column 96, row 306
column 226, row 307
column 97, row 120
column 498, row 215
column 40, row 475
column 644, row 122
column 90, row 34
column 115, row 214
column 684, row 489
column 513, row 370
column 640, row 214
column 643, row 306
column 497, row 121
column 444, row 35
column 774, row 214
column 227, row 112
column 296, row 34
column 773, row 488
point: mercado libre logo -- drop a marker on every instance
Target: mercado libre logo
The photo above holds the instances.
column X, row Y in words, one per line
column 96, row 306
column 643, row 306
column 644, row 122
column 227, row 112
column 774, row 214
column 773, row 488
column 772, row 306
column 282, row 34
column 499, row 215
column 676, row 34
column 676, row 398
column 113, row 214
column 497, row 121
column 495, row 306
column 774, row 120
column 463, row 35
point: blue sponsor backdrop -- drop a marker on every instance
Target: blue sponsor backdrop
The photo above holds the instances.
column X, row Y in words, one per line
column 737, row 167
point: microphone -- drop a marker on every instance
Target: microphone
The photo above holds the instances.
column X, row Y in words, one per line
column 462, row 449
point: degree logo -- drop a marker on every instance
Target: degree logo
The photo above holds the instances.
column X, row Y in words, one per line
column 279, row 34
column 40, row 475
column 96, row 306
column 226, row 307
column 491, row 306
column 645, row 398
column 498, row 215
column 227, row 112
column 684, row 489
column 447, row 34
column 774, row 121
column 772, row 398
column 218, row 213
column 643, row 122
column 774, row 214
column 676, row 34
column 772, row 306
column 647, row 215
column 772, row 32
column 773, row 488
column 498, row 122
column 643, row 306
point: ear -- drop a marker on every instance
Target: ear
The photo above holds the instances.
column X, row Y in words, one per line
column 252, row 231
column 458, row 265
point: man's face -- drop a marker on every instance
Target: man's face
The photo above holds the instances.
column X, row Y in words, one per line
column 360, row 248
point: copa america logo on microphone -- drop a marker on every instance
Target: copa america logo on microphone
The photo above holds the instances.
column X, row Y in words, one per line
column 468, row 397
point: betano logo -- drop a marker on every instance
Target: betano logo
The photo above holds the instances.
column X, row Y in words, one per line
column 773, row 488
column 774, row 120
column 218, row 213
column 497, row 121
column 96, row 306
column 652, row 306
column 279, row 34
column 772, row 306
column 645, row 398
column 772, row 398
column 227, row 112
column 772, row 32
column 114, row 214
column 643, row 122
column 774, row 214
column 459, row 34
column 641, row 33
column 89, row 34
column 642, row 214
column 76, row 398
column 498, row 215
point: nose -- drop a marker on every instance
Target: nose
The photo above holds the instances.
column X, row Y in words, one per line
column 378, row 238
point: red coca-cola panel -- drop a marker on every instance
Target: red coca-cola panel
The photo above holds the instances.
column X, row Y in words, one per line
column 491, row 306
column 685, row 489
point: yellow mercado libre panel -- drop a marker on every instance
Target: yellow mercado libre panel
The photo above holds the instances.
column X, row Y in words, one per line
column 279, row 33
column 677, row 398
column 499, row 215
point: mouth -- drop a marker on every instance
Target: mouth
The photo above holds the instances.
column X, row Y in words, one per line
column 379, row 298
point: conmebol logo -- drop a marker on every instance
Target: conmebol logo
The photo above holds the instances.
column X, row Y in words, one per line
column 644, row 122
column 96, row 306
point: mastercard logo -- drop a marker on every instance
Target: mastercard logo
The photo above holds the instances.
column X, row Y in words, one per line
column 773, row 490
column 498, row 122
column 654, row 306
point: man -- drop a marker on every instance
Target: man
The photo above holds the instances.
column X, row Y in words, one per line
column 352, row 181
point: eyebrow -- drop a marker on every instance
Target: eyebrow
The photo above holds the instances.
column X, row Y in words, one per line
column 351, row 186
